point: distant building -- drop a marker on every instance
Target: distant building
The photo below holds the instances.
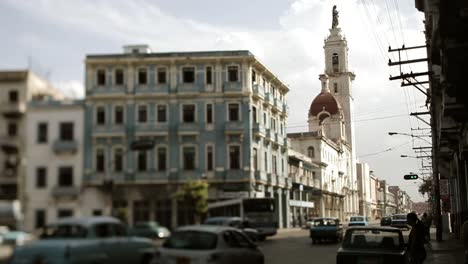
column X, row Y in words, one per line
column 421, row 207
column 17, row 89
column 217, row 115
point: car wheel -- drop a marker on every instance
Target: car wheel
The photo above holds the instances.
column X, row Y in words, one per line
column 146, row 259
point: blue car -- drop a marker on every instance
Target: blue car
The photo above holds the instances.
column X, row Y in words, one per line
column 358, row 221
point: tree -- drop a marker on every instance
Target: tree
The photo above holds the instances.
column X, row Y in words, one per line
column 195, row 194
column 426, row 186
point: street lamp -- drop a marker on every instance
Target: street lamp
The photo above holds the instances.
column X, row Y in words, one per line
column 411, row 135
column 416, row 157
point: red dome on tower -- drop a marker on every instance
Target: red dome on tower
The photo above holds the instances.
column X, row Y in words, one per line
column 324, row 102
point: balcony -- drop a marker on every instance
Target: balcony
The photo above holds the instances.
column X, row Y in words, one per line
column 276, row 105
column 235, row 127
column 258, row 91
column 13, row 110
column 259, row 130
column 260, row 176
column 65, row 192
column 269, row 134
column 232, row 174
column 65, row 146
column 188, row 128
column 232, row 87
column 279, row 139
column 284, row 109
column 9, row 145
column 188, row 88
column 268, row 99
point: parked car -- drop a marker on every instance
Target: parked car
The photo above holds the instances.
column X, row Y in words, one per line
column 85, row 240
column 235, row 222
column 151, row 230
column 16, row 238
column 208, row 244
column 358, row 221
column 372, row 244
column 325, row 229
column 386, row 221
column 399, row 221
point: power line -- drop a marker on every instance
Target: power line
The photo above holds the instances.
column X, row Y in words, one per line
column 383, row 151
column 355, row 121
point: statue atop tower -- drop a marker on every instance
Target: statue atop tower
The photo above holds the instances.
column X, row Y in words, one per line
column 335, row 17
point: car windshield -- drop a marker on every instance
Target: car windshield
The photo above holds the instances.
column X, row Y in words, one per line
column 357, row 219
column 399, row 217
column 192, row 240
column 215, row 221
column 64, row 231
column 259, row 205
column 325, row 222
column 372, row 238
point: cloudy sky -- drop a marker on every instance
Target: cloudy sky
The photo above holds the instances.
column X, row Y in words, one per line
column 52, row 37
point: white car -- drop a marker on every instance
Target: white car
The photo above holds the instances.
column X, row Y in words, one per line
column 208, row 244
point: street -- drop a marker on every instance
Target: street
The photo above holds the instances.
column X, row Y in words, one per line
column 295, row 247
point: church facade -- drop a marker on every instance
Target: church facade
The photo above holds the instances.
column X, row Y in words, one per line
column 330, row 140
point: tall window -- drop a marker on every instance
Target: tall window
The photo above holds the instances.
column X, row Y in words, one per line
column 162, row 76
column 233, row 112
column 41, row 177
column 254, row 77
column 335, row 87
column 209, row 158
column 40, row 218
column 142, row 159
column 66, row 131
column 254, row 114
column 189, row 158
column 209, row 75
column 65, row 176
column 119, row 115
column 42, row 132
column 118, row 160
column 12, row 129
column 142, row 114
column 233, row 74
column 209, row 113
column 335, row 62
column 13, row 96
column 311, row 152
column 162, row 113
column 274, row 165
column 234, row 157
column 100, row 160
column 265, row 119
column 119, row 77
column 61, row 213
column 188, row 113
column 188, row 74
column 142, row 76
column 162, row 159
column 100, row 115
column 101, row 77
column 255, row 159
column 266, row 161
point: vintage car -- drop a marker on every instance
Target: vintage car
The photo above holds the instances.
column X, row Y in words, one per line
column 151, row 230
column 326, row 229
column 208, row 244
column 386, row 220
column 399, row 221
column 358, row 221
column 372, row 244
column 85, row 240
column 235, row 222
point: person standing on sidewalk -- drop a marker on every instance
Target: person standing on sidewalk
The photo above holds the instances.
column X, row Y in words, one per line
column 427, row 226
column 417, row 252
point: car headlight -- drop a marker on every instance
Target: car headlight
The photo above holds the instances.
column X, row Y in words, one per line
column 160, row 234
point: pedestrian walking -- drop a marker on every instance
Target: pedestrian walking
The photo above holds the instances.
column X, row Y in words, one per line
column 417, row 252
column 426, row 220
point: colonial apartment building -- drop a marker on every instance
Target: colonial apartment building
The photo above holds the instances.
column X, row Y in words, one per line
column 216, row 115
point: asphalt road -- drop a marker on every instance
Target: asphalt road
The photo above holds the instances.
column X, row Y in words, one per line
column 295, row 247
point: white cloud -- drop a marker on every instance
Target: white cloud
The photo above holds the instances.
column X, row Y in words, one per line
column 72, row 89
column 294, row 51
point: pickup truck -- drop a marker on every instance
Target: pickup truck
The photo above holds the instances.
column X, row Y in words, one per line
column 326, row 229
column 85, row 240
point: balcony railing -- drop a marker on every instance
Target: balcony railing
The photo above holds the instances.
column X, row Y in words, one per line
column 276, row 105
column 65, row 191
column 188, row 127
column 232, row 87
column 233, row 127
column 188, row 88
column 258, row 91
column 12, row 110
column 65, row 146
column 259, row 129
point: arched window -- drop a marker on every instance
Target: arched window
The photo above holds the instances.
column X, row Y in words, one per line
column 311, row 152
column 335, row 62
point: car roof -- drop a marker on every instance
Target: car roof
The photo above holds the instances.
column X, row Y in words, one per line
column 86, row 221
column 223, row 218
column 325, row 218
column 357, row 216
column 206, row 228
column 380, row 228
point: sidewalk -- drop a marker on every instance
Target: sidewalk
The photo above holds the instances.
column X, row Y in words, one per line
column 449, row 251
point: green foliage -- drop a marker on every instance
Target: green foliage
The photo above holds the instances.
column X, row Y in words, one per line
column 195, row 193
column 426, row 186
